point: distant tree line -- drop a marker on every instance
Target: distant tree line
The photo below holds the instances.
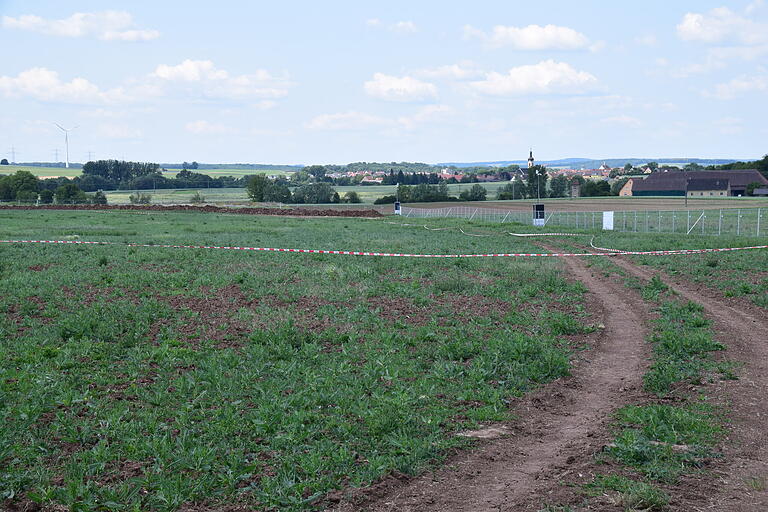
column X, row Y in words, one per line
column 761, row 165
column 25, row 187
column 122, row 175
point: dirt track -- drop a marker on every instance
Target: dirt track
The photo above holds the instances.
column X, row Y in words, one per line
column 742, row 474
column 560, row 423
column 564, row 424
column 292, row 212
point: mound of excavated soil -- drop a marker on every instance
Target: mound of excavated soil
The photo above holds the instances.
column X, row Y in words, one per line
column 295, row 212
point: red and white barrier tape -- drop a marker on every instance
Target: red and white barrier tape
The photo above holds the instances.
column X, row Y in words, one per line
column 402, row 255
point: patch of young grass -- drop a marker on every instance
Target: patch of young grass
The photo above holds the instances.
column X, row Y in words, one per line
column 630, row 494
column 664, row 441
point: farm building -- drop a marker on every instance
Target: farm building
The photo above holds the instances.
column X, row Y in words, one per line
column 702, row 183
column 708, row 187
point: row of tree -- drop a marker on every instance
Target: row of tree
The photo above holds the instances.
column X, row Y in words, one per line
column 25, row 187
column 262, row 189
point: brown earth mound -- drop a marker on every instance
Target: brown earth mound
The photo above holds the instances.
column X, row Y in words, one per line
column 295, row 212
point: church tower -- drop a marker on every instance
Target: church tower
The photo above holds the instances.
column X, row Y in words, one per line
column 530, row 159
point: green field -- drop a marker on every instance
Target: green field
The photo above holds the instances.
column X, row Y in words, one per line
column 42, row 172
column 734, row 274
column 151, row 379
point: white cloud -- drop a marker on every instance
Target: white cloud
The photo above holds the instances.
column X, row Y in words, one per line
column 393, row 88
column 206, row 127
column 721, row 24
column 403, row 27
column 351, row 120
column 532, row 37
column 105, row 25
column 546, row 77
column 357, row 121
column 739, row 86
column 754, row 6
column 460, row 71
column 45, row 85
column 218, row 83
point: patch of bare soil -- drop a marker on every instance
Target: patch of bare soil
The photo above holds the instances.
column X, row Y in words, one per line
column 560, row 423
column 292, row 212
column 741, row 476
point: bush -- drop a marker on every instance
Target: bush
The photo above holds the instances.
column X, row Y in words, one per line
column 140, row 198
column 385, row 200
column 197, row 198
column 99, row 197
column 26, row 196
column 476, row 193
column 352, row 197
column 315, row 193
column 70, row 194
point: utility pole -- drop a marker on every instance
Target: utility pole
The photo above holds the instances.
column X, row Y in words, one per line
column 13, row 154
column 90, row 156
column 56, row 155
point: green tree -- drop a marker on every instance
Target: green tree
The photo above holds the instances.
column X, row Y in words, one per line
column 20, row 182
column 628, row 168
column 475, row 193
column 693, row 166
column 99, row 197
column 318, row 171
column 276, row 192
column 559, row 185
column 752, row 186
column 70, row 194
column 256, row 186
column 594, row 188
column 653, row 166
column 4, row 161
column 314, row 193
column 537, row 181
column 352, row 197
column 46, row 196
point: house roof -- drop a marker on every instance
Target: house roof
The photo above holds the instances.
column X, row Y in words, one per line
column 708, row 184
column 675, row 180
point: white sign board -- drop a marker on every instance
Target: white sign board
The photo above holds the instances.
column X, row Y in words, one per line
column 608, row 221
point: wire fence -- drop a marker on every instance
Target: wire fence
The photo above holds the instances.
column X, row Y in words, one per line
column 725, row 221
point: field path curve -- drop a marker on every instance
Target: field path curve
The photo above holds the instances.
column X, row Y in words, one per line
column 559, row 423
column 742, row 475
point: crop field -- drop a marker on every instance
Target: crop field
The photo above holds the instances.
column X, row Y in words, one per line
column 170, row 379
column 164, row 379
column 42, row 172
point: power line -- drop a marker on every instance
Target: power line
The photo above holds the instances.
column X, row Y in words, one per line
column 13, row 154
column 56, row 155
column 90, row 156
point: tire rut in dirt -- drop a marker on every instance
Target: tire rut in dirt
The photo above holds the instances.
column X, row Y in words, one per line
column 559, row 422
column 742, row 475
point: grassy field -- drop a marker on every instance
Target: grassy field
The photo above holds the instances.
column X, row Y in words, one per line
column 42, row 172
column 151, row 379
column 734, row 274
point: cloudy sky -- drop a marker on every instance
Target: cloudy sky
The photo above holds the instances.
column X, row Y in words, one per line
column 341, row 81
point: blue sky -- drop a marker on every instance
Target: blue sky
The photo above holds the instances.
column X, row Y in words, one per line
column 338, row 81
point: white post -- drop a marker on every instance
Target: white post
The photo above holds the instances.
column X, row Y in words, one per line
column 720, row 223
column 758, row 221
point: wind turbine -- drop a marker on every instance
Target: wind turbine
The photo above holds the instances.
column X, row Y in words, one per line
column 66, row 140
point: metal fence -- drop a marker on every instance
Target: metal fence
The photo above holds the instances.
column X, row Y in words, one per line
column 726, row 221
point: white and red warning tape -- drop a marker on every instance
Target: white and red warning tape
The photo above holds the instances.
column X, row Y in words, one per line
column 402, row 255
